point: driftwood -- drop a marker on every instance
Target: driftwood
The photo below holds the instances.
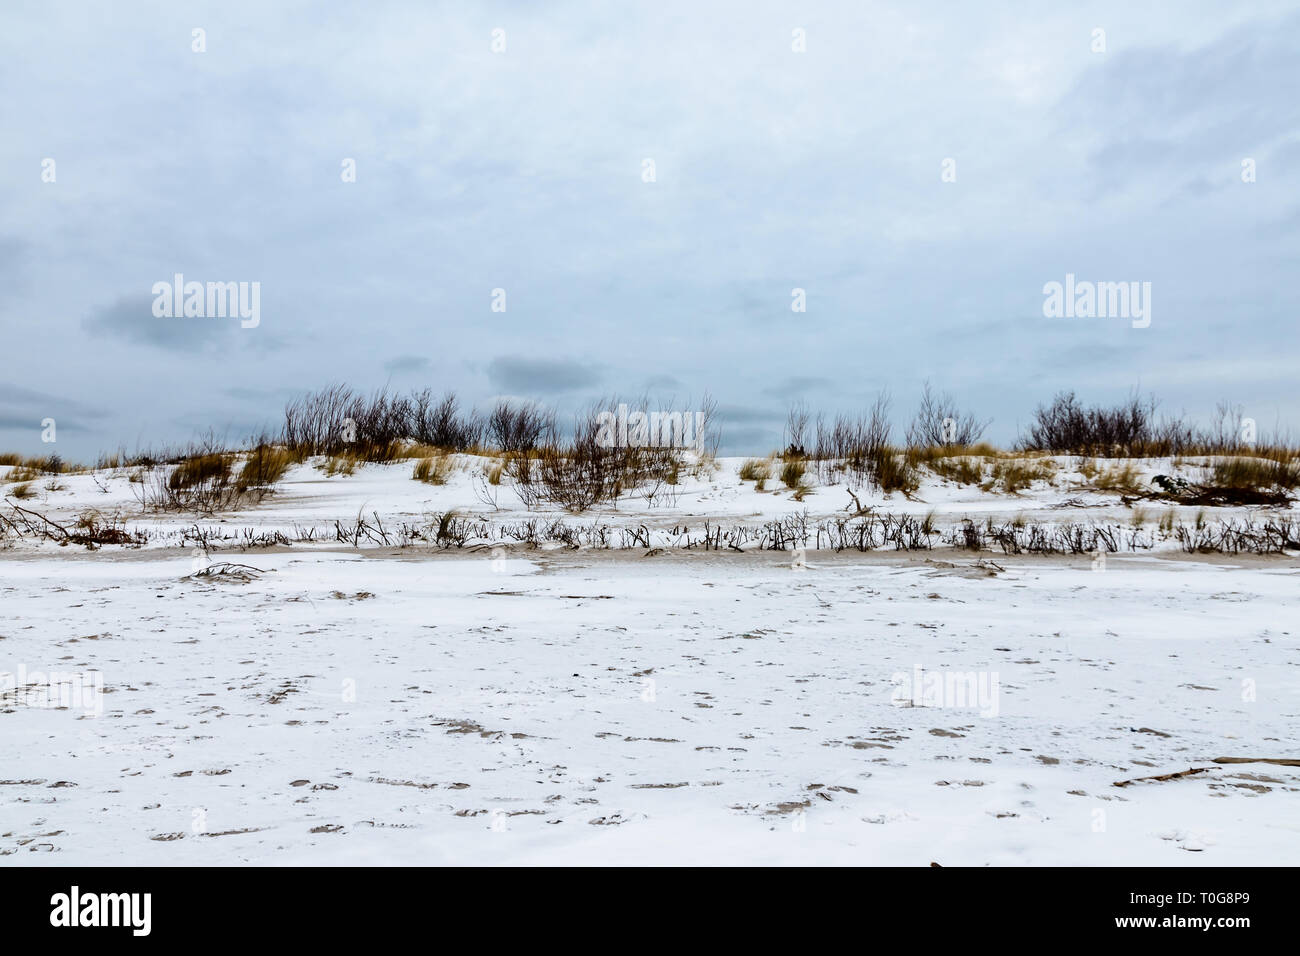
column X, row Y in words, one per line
column 1162, row 777
column 861, row 511
column 227, row 568
column 90, row 529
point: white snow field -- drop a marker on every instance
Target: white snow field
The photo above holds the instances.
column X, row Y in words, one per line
column 329, row 704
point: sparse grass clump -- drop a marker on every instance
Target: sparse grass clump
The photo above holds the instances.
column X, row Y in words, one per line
column 22, row 491
column 34, row 468
column 1123, row 478
column 264, row 467
column 1013, row 475
column 892, row 472
column 792, row 473
column 417, row 450
column 704, row 467
column 200, row 469
column 203, row 478
column 434, row 470
column 344, row 464
column 755, row 469
column 964, row 470
column 23, row 472
column 1256, row 474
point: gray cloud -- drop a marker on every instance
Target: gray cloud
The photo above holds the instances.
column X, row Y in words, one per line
column 749, row 440
column 797, row 386
column 131, row 319
column 32, row 426
column 774, row 170
column 22, row 411
column 407, row 363
column 663, row 383
column 14, row 267
column 540, row 376
column 745, row 415
column 35, row 398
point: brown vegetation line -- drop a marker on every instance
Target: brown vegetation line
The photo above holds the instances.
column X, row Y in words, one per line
column 580, row 472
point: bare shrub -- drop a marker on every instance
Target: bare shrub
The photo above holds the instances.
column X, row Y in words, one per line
column 581, row 477
column 797, row 420
column 1129, row 429
column 316, row 424
column 336, row 421
column 203, row 479
column 91, row 529
column 442, row 425
column 858, row 448
column 519, row 426
column 939, row 422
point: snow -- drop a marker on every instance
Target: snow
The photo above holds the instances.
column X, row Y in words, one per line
column 308, row 499
column 332, row 704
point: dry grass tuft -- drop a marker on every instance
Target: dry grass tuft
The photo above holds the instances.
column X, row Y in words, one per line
column 23, row 473
column 344, row 464
column 1123, row 478
column 1013, row 475
column 263, row 468
column 1256, row 474
column 200, row 469
column 792, row 473
column 892, row 472
column 434, row 470
column 964, row 470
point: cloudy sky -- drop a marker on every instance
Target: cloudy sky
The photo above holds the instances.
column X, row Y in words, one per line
column 524, row 170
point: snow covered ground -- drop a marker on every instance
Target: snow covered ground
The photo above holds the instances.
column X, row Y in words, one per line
column 309, row 502
column 330, row 704
column 702, row 708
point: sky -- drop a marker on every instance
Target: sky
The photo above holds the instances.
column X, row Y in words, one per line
column 920, row 170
